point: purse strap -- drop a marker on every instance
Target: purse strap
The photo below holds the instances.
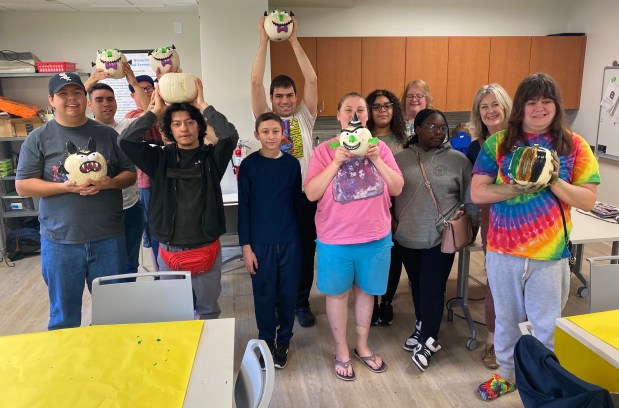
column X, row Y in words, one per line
column 429, row 186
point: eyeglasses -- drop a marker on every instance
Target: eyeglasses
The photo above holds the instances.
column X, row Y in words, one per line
column 436, row 128
column 147, row 88
column 415, row 96
column 378, row 106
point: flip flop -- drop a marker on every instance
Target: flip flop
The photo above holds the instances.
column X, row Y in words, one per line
column 344, row 365
column 372, row 358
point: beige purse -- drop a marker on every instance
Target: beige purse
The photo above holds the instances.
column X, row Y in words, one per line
column 458, row 231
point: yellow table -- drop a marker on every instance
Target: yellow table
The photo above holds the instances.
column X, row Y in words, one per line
column 172, row 364
column 588, row 347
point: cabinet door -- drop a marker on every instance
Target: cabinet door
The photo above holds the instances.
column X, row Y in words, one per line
column 338, row 62
column 562, row 58
column 383, row 64
column 509, row 61
column 426, row 58
column 467, row 70
column 284, row 62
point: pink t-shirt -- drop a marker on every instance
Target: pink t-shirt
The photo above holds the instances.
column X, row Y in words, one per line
column 355, row 206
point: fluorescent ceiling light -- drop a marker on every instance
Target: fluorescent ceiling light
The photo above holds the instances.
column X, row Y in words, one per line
column 127, row 5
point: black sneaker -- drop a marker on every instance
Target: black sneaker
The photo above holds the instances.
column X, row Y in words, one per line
column 414, row 339
column 375, row 315
column 280, row 356
column 385, row 313
column 261, row 358
column 423, row 352
column 305, row 316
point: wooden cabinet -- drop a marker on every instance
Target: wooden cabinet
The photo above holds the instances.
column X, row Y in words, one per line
column 467, row 70
column 562, row 58
column 383, row 64
column 284, row 62
column 338, row 69
column 509, row 61
column 426, row 58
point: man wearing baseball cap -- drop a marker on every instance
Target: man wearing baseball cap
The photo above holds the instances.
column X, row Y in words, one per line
column 82, row 235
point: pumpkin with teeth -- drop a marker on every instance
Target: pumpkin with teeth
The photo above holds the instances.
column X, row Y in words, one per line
column 278, row 24
column 531, row 165
column 355, row 138
column 83, row 164
column 111, row 62
column 166, row 59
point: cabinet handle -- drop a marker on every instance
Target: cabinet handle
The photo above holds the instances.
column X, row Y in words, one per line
column 322, row 107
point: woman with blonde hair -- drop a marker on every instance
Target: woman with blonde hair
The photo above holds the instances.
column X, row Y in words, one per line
column 416, row 97
column 491, row 108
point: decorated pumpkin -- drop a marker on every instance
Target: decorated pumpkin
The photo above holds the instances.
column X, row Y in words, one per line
column 111, row 62
column 165, row 59
column 178, row 87
column 531, row 165
column 83, row 164
column 355, row 138
column 278, row 24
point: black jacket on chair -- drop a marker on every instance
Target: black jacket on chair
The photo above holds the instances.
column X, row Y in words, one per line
column 542, row 381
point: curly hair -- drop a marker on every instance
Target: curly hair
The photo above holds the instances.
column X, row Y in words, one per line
column 194, row 113
column 397, row 124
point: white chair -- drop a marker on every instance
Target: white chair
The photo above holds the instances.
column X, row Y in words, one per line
column 603, row 283
column 254, row 387
column 143, row 301
column 526, row 328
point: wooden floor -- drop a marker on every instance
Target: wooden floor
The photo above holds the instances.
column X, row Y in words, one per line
column 308, row 380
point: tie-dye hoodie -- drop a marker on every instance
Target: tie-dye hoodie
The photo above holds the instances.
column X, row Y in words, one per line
column 530, row 225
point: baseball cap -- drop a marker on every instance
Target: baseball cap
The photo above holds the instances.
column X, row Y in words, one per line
column 142, row 78
column 58, row 81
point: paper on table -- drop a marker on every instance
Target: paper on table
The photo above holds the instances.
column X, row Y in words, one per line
column 603, row 325
column 126, row 365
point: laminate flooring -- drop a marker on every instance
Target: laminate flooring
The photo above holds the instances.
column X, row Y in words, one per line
column 308, row 379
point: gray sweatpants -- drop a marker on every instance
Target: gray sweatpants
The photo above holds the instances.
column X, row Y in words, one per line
column 525, row 289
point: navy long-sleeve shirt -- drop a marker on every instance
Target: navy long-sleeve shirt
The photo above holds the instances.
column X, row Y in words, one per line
column 269, row 200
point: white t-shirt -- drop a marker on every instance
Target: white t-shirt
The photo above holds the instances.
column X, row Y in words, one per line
column 131, row 194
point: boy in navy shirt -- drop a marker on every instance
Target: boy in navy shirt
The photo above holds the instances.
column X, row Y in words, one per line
column 269, row 221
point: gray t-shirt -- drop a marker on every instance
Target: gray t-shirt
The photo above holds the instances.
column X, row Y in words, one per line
column 70, row 218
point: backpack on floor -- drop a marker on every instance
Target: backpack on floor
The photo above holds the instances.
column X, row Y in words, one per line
column 21, row 242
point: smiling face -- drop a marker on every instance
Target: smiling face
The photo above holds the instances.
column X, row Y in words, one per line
column 492, row 114
column 103, row 105
column 270, row 135
column 278, row 25
column 382, row 111
column 538, row 115
column 185, row 130
column 70, row 105
column 283, row 101
column 111, row 62
column 415, row 101
column 356, row 139
column 432, row 132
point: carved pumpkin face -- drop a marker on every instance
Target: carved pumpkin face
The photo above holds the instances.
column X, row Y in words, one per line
column 83, row 164
column 164, row 58
column 111, row 62
column 178, row 87
column 356, row 139
column 278, row 24
column 531, row 165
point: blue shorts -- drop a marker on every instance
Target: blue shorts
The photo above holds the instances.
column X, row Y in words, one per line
column 365, row 265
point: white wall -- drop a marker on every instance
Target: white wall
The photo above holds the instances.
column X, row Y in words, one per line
column 76, row 37
column 599, row 19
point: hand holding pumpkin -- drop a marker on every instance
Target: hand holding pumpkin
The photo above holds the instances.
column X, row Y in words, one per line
column 157, row 104
column 341, row 155
column 556, row 165
column 199, row 102
column 91, row 187
column 373, row 153
column 129, row 75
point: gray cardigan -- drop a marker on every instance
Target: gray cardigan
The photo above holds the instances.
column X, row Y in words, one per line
column 449, row 173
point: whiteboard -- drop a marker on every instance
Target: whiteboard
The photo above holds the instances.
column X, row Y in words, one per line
column 607, row 143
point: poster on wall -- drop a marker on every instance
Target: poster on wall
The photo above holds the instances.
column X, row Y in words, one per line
column 140, row 64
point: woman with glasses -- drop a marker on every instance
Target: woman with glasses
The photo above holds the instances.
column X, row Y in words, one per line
column 353, row 226
column 527, row 251
column 416, row 96
column 420, row 227
column 386, row 122
column 491, row 108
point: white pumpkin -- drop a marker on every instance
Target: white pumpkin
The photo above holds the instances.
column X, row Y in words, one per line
column 355, row 138
column 531, row 165
column 178, row 87
column 111, row 62
column 278, row 24
column 165, row 58
column 83, row 164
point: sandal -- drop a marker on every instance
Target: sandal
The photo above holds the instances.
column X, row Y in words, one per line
column 372, row 358
column 345, row 365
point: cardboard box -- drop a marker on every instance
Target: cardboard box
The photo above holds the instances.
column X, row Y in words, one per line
column 6, row 130
column 23, row 126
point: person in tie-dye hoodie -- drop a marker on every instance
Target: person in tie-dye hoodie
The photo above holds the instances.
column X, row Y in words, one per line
column 527, row 256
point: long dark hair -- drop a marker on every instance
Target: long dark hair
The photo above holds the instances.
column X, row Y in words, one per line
column 422, row 115
column 194, row 113
column 397, row 124
column 534, row 87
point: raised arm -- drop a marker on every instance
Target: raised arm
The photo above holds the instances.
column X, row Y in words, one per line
column 142, row 97
column 310, row 91
column 258, row 93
